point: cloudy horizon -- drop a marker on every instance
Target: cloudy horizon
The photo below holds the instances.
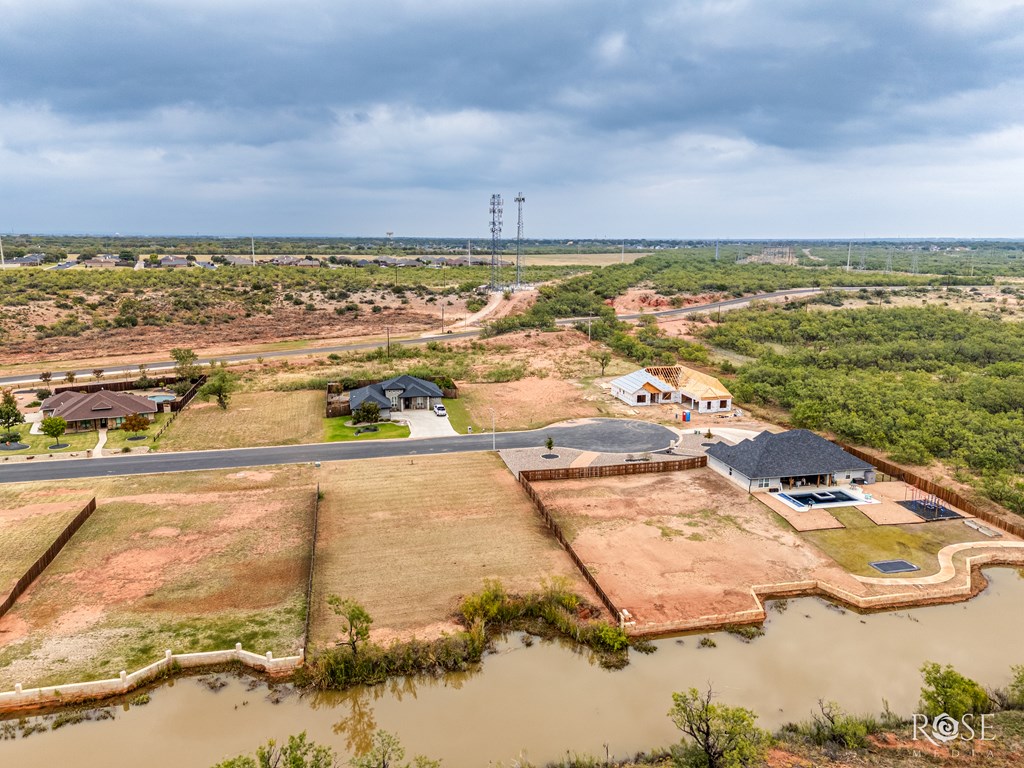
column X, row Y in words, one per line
column 661, row 120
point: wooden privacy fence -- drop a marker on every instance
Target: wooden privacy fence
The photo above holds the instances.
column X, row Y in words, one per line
column 178, row 405
column 527, row 476
column 115, row 386
column 47, row 557
column 945, row 494
column 613, row 470
column 312, row 565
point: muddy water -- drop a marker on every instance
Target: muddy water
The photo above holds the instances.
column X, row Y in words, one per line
column 541, row 700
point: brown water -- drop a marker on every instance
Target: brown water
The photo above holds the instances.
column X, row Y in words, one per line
column 540, row 701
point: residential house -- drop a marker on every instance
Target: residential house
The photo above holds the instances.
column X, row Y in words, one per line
column 673, row 384
column 398, row 394
column 698, row 391
column 29, row 260
column 85, row 411
column 792, row 459
column 643, row 388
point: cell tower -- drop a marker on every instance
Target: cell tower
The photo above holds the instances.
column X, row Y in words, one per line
column 496, row 207
column 519, row 242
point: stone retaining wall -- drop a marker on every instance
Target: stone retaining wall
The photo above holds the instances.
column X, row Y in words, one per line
column 72, row 693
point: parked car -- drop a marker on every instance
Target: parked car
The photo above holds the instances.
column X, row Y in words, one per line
column 439, row 410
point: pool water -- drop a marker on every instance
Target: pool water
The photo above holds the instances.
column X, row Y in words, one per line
column 821, row 497
column 162, row 398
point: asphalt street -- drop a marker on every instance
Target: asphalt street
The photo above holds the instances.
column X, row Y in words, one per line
column 610, row 435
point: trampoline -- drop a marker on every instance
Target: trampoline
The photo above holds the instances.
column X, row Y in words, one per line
column 930, row 510
column 894, row 566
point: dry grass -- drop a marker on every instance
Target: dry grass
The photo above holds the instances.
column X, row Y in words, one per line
column 195, row 561
column 252, row 419
column 28, row 525
column 407, row 537
column 580, row 259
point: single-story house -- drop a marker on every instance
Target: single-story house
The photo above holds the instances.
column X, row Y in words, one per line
column 85, row 411
column 29, row 260
column 698, row 391
column 643, row 388
column 673, row 384
column 398, row 394
column 787, row 460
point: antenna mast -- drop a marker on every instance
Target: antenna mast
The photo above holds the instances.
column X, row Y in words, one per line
column 496, row 208
column 519, row 242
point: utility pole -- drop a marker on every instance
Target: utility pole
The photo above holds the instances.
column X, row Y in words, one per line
column 849, row 253
column 622, row 257
column 387, row 328
column 442, row 318
column 469, row 252
column 716, row 250
column 3, row 262
column 493, row 440
column 252, row 244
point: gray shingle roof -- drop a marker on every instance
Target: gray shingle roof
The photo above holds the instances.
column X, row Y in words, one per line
column 371, row 393
column 788, row 454
column 412, row 387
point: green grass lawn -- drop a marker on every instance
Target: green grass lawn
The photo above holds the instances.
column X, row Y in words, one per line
column 40, row 444
column 459, row 416
column 336, row 430
column 863, row 542
column 118, row 438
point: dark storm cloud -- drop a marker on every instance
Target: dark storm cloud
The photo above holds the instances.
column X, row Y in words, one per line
column 407, row 95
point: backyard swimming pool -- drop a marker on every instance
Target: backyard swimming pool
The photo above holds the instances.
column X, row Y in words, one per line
column 162, row 398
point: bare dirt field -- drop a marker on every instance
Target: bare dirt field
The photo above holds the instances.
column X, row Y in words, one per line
column 581, row 259
column 679, row 545
column 190, row 562
column 409, row 537
column 252, row 419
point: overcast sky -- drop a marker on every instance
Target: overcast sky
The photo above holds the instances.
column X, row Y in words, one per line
column 650, row 118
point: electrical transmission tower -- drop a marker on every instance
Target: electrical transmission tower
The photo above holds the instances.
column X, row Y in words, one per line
column 496, row 207
column 915, row 262
column 863, row 259
column 519, row 242
column 888, row 260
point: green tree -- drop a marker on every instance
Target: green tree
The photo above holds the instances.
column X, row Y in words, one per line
column 387, row 752
column 357, row 620
column 946, row 691
column 69, row 377
column 54, row 427
column 299, row 752
column 135, row 423
column 10, row 415
column 603, row 358
column 46, row 377
column 220, row 385
column 1016, row 689
column 97, row 374
column 721, row 736
column 185, row 367
column 366, row 413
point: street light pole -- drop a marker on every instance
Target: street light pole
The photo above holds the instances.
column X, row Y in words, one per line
column 493, row 443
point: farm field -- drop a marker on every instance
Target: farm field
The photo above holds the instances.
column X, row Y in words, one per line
column 252, row 419
column 191, row 562
column 408, row 537
column 573, row 259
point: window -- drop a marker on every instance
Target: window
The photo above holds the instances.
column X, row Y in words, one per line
column 724, row 404
column 763, row 482
column 641, row 398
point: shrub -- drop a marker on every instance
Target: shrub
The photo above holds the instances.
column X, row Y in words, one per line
column 366, row 413
column 946, row 691
column 42, row 394
column 34, row 404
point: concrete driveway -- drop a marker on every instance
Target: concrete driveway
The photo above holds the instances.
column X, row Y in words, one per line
column 426, row 424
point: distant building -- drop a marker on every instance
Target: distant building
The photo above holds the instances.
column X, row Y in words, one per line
column 673, row 384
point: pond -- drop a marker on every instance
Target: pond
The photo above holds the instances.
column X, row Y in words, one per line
column 542, row 700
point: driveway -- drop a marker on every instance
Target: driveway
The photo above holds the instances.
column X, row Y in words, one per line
column 426, row 424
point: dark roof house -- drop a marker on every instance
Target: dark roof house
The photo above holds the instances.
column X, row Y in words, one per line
column 398, row 394
column 96, row 410
column 796, row 453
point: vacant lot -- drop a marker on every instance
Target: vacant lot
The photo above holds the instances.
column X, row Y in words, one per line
column 408, row 537
column 190, row 562
column 28, row 525
column 252, row 419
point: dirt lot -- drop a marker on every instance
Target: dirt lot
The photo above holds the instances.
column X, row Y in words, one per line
column 581, row 259
column 252, row 419
column 679, row 545
column 408, row 537
column 190, row 562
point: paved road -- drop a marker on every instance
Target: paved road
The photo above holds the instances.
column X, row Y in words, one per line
column 157, row 367
column 613, row 435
